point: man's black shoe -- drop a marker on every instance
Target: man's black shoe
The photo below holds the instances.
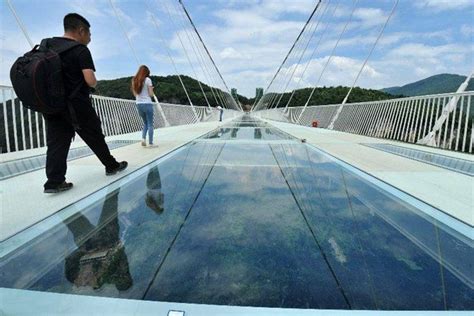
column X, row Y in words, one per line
column 59, row 188
column 122, row 166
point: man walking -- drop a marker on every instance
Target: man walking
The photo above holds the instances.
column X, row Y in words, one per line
column 78, row 77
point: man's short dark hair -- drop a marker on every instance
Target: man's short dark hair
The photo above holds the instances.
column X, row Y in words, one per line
column 73, row 22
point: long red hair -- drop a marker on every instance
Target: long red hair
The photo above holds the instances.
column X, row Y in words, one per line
column 139, row 79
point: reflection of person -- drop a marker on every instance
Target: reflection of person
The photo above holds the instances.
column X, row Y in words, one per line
column 233, row 133
column 154, row 198
column 221, row 112
column 142, row 89
column 220, row 133
column 257, row 133
column 100, row 257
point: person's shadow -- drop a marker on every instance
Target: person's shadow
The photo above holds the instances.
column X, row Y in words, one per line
column 100, row 257
column 154, row 198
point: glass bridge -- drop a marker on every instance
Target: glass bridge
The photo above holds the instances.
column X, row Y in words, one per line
column 248, row 215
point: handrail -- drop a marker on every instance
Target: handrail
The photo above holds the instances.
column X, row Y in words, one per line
column 407, row 119
column 24, row 129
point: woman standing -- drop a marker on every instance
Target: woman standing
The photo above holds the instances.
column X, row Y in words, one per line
column 142, row 89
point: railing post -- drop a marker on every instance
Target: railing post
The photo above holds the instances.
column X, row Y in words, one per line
column 430, row 139
column 160, row 110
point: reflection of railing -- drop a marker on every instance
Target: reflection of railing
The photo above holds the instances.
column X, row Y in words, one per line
column 24, row 129
column 406, row 119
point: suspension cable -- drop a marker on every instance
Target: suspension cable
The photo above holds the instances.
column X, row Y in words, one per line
column 160, row 109
column 274, row 95
column 333, row 120
column 326, row 10
column 124, row 32
column 218, row 92
column 201, row 58
column 294, row 43
column 292, row 47
column 20, row 24
column 312, row 32
column 193, row 46
column 330, row 57
column 184, row 49
column 161, row 38
column 196, row 45
column 373, row 47
column 280, row 83
column 207, row 51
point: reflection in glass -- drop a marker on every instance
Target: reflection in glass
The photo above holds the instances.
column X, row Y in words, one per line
column 100, row 256
column 154, row 197
column 257, row 133
column 383, row 253
column 252, row 223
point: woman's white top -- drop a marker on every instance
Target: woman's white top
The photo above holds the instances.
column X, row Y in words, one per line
column 144, row 96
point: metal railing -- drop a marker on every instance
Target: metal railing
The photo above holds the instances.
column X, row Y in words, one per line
column 24, row 129
column 409, row 119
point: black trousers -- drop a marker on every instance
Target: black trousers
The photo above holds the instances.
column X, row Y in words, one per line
column 59, row 134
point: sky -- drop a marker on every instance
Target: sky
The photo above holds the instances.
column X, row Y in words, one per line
column 248, row 39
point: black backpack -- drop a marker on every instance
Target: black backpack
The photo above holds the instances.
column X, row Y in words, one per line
column 37, row 79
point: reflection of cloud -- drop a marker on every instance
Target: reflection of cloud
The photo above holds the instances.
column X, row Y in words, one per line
column 337, row 251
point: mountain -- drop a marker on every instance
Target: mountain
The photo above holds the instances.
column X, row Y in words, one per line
column 167, row 89
column 326, row 96
column 442, row 83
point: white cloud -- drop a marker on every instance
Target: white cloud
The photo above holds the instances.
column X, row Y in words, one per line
column 231, row 53
column 442, row 5
column 369, row 17
column 127, row 24
column 88, row 8
column 424, row 51
column 340, row 71
column 280, row 6
column 467, row 30
column 248, row 39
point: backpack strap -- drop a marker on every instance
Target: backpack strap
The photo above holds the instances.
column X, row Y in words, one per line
column 45, row 44
column 64, row 48
column 67, row 45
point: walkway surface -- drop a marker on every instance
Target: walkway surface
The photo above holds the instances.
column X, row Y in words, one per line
column 22, row 198
column 26, row 204
column 449, row 191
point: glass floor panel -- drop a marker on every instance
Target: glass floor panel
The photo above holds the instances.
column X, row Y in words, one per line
column 446, row 162
column 247, row 133
column 16, row 167
column 270, row 225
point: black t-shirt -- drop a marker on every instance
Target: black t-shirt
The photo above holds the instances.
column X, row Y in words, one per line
column 73, row 62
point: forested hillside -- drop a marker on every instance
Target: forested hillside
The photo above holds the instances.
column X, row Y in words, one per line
column 442, row 83
column 169, row 90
